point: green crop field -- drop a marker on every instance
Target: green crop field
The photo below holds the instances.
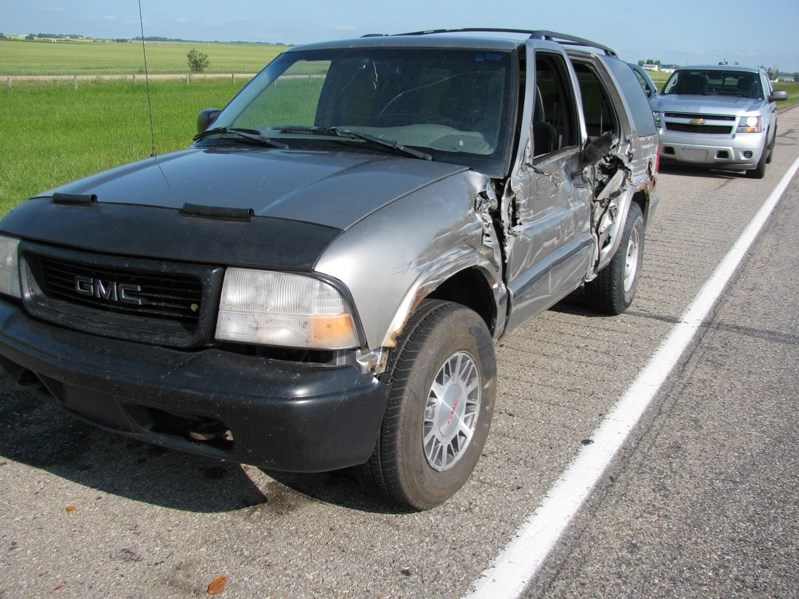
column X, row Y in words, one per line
column 54, row 133
column 103, row 58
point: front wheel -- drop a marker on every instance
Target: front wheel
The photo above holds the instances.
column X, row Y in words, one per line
column 771, row 146
column 442, row 380
column 760, row 170
column 613, row 289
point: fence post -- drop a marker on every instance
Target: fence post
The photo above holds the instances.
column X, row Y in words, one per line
column 75, row 81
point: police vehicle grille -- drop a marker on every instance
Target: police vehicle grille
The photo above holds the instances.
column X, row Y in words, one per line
column 689, row 128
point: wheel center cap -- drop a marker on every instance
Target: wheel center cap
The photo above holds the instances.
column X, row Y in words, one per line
column 451, row 411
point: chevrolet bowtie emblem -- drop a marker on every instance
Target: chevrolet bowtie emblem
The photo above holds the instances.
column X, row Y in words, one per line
column 698, row 122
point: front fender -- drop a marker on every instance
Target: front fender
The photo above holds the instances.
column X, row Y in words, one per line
column 398, row 255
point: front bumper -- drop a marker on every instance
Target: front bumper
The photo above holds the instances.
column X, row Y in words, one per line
column 740, row 152
column 268, row 413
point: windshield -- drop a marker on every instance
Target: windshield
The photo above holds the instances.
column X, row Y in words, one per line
column 715, row 82
column 451, row 103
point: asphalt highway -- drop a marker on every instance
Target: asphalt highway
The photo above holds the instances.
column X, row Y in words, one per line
column 701, row 501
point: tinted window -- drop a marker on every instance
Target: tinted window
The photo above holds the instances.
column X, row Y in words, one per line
column 718, row 82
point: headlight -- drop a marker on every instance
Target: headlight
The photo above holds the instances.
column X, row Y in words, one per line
column 750, row 124
column 9, row 266
column 288, row 310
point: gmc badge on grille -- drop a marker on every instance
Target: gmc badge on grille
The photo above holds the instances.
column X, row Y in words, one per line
column 109, row 291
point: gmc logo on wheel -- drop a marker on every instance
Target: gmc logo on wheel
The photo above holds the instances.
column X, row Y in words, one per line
column 109, row 291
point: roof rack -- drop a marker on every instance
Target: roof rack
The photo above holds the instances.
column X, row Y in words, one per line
column 538, row 34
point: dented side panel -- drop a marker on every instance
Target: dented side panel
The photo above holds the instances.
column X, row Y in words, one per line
column 626, row 171
column 546, row 208
column 550, row 242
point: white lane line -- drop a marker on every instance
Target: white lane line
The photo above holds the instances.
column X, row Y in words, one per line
column 514, row 568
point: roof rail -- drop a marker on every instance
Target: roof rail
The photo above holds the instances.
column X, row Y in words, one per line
column 564, row 38
column 539, row 34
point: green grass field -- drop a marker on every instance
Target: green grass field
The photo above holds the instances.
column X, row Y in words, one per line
column 54, row 133
column 100, row 58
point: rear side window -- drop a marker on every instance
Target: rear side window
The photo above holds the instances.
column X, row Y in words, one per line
column 634, row 96
column 600, row 116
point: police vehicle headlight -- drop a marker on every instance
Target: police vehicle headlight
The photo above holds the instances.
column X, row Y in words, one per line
column 284, row 309
column 750, row 124
column 9, row 266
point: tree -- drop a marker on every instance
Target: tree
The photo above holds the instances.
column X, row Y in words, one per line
column 198, row 61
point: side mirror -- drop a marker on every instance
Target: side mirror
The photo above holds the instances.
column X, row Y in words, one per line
column 778, row 96
column 206, row 118
column 599, row 148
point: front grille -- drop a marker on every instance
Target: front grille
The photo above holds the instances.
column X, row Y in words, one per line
column 150, row 301
column 688, row 128
column 161, row 296
column 707, row 117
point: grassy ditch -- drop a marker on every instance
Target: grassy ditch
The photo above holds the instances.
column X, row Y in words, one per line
column 55, row 133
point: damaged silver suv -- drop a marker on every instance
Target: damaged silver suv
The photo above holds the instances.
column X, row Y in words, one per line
column 319, row 281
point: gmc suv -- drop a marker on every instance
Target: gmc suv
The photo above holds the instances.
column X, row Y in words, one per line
column 319, row 281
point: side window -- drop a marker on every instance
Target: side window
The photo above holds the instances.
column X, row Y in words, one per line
column 600, row 116
column 554, row 116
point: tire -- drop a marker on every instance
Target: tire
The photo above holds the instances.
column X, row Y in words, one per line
column 613, row 289
column 771, row 147
column 442, row 379
column 760, row 170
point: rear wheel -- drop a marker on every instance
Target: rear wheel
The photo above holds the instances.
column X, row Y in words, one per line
column 442, row 381
column 613, row 289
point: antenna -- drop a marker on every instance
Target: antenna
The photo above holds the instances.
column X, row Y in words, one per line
column 153, row 154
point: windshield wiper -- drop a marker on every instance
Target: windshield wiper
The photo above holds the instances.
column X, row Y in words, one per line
column 248, row 134
column 372, row 139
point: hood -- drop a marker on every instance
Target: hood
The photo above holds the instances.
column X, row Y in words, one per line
column 335, row 189
column 724, row 105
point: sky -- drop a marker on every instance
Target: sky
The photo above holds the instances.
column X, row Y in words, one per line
column 764, row 33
